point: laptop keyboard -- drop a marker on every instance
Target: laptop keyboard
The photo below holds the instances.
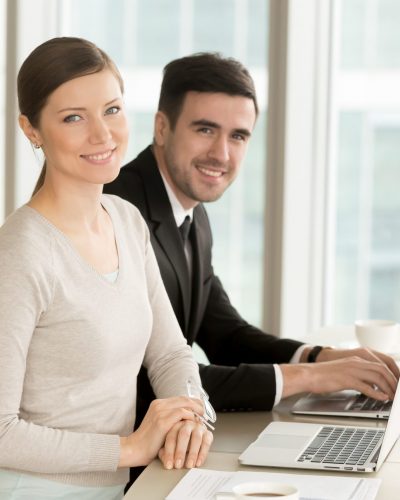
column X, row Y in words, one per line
column 342, row 446
column 363, row 402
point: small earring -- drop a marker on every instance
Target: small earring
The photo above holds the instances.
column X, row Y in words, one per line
column 36, row 146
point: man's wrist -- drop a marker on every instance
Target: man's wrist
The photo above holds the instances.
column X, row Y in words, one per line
column 296, row 378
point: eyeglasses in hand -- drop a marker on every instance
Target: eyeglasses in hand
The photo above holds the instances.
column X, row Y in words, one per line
column 196, row 391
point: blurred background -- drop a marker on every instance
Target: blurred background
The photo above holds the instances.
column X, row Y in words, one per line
column 309, row 233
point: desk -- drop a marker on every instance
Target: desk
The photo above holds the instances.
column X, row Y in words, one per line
column 155, row 483
column 233, row 433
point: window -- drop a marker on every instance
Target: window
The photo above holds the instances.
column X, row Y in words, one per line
column 142, row 36
column 365, row 250
column 332, row 245
column 333, row 147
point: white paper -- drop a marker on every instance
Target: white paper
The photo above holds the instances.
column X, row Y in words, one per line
column 203, row 484
column 200, row 484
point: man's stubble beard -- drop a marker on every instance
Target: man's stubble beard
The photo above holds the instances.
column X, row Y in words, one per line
column 185, row 185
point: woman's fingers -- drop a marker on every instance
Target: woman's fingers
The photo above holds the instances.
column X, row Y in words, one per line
column 197, row 440
column 186, row 444
column 167, row 453
column 204, row 448
column 185, row 436
column 182, row 439
column 160, row 432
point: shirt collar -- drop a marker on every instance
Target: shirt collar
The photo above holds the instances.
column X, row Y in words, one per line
column 179, row 212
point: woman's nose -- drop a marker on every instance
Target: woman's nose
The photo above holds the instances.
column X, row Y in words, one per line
column 99, row 132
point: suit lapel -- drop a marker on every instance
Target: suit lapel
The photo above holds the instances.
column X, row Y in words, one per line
column 165, row 231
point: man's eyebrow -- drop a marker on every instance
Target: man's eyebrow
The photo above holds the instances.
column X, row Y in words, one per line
column 205, row 123
column 75, row 108
column 242, row 131
column 208, row 123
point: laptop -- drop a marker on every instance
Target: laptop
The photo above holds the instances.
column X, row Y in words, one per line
column 342, row 404
column 325, row 447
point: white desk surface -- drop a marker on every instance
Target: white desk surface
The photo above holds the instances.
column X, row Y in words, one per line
column 155, row 483
column 234, row 432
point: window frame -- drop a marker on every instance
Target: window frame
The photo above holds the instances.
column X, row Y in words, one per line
column 41, row 20
column 298, row 206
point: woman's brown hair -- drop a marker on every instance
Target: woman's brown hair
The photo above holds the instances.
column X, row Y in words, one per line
column 50, row 65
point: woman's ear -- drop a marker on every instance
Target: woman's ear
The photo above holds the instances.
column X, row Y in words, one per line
column 161, row 128
column 31, row 133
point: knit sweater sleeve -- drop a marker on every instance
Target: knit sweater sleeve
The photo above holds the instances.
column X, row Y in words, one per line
column 26, row 290
column 168, row 358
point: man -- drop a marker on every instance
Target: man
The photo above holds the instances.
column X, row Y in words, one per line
column 207, row 112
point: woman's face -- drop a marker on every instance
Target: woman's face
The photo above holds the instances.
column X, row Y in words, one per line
column 83, row 129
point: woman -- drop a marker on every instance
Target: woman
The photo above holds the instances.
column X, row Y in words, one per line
column 82, row 304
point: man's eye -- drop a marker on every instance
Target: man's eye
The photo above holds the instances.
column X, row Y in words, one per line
column 72, row 118
column 113, row 110
column 205, row 130
column 239, row 137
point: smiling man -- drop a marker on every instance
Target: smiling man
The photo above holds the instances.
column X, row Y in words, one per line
column 207, row 112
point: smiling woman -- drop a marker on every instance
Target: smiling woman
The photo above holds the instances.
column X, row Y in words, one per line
column 82, row 301
column 63, row 89
column 80, row 129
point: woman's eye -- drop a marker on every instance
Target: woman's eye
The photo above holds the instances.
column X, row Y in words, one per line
column 72, row 118
column 113, row 110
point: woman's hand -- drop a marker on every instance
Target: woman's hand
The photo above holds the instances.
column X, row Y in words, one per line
column 163, row 414
column 187, row 444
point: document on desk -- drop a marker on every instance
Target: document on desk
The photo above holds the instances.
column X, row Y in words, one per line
column 203, row 484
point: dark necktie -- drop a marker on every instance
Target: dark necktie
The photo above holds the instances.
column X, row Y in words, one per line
column 184, row 229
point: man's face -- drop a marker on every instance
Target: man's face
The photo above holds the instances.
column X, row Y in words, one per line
column 201, row 157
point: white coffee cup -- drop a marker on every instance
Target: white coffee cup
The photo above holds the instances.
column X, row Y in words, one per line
column 381, row 335
column 261, row 490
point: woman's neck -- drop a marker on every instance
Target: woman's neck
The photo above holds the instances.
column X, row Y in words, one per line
column 71, row 210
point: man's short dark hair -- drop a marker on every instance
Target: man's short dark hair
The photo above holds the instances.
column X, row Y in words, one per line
column 202, row 72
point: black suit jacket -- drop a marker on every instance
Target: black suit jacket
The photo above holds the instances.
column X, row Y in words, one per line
column 240, row 375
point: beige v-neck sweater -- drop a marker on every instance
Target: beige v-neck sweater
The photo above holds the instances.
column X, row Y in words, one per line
column 72, row 343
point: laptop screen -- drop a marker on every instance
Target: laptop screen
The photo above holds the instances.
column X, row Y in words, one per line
column 392, row 429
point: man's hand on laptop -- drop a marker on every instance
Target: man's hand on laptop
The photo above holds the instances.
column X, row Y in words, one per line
column 360, row 352
column 370, row 372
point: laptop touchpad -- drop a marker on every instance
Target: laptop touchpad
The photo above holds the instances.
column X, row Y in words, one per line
column 281, row 441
